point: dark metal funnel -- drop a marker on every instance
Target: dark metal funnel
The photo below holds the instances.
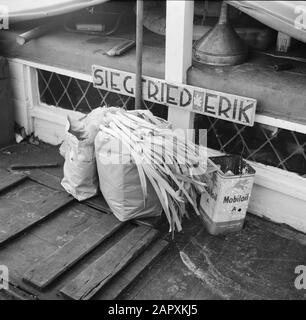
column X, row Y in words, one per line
column 221, row 46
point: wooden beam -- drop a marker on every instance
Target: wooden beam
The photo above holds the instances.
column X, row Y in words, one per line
column 8, row 179
column 46, row 179
column 139, row 50
column 87, row 283
column 179, row 34
column 119, row 284
column 20, row 84
column 58, row 116
column 22, row 221
column 98, row 202
column 61, row 260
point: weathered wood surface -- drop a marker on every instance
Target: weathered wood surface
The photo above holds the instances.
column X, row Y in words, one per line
column 51, row 252
column 23, row 252
column 167, row 279
column 96, row 275
column 99, row 203
column 112, row 290
column 174, row 94
column 46, row 179
column 44, row 239
column 27, row 205
column 64, row 227
column 8, row 179
column 60, row 261
column 152, row 222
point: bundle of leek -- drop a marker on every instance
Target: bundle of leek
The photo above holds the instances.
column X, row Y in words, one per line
column 174, row 165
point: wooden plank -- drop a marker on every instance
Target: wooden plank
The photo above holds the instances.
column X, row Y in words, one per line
column 15, row 293
column 179, row 39
column 46, row 179
column 18, row 89
column 156, row 273
column 61, row 260
column 64, row 227
column 152, row 222
column 22, row 93
column 280, row 123
column 95, row 276
column 33, row 166
column 132, row 271
column 8, row 179
column 180, row 96
column 15, row 64
column 20, row 222
column 33, row 94
column 51, row 292
column 16, row 70
column 98, row 203
column 60, row 120
column 22, row 253
column 21, row 113
column 48, row 130
column 179, row 55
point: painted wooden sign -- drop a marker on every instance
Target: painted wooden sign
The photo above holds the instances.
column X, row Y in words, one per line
column 194, row 99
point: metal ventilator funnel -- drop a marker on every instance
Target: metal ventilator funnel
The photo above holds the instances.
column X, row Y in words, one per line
column 221, row 46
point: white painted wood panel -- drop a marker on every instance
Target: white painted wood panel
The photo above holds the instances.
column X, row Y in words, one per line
column 49, row 132
column 279, row 207
column 19, row 94
column 20, row 112
column 17, row 89
column 37, row 65
column 179, row 35
column 279, row 123
column 16, row 69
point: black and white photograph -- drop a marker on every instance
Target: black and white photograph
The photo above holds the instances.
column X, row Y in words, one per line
column 152, row 153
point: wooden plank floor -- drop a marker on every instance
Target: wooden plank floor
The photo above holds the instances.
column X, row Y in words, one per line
column 32, row 202
column 99, row 273
column 255, row 263
column 9, row 180
column 56, row 247
column 61, row 260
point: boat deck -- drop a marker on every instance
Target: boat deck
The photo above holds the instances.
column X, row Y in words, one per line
column 57, row 248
